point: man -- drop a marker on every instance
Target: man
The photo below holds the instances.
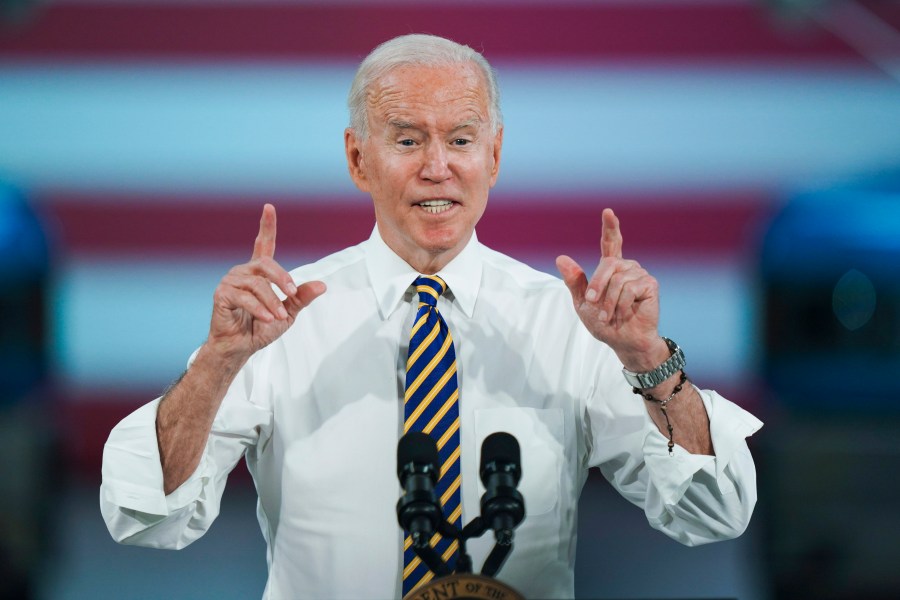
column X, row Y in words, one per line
column 315, row 392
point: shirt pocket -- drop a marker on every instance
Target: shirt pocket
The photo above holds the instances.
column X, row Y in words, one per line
column 539, row 432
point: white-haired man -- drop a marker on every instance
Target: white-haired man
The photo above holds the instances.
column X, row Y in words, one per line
column 315, row 392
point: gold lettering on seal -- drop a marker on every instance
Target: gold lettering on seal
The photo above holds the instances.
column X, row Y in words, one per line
column 464, row 586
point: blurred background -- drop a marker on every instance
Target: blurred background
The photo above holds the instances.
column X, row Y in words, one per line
column 751, row 149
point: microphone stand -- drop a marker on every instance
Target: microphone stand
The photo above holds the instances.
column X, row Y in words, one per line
column 432, row 559
column 475, row 528
column 420, row 513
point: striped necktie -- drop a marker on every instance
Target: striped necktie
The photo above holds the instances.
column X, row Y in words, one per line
column 432, row 406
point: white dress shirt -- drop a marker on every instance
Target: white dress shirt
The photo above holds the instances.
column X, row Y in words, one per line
column 318, row 413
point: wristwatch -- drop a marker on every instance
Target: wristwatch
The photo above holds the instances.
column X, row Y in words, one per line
column 655, row 377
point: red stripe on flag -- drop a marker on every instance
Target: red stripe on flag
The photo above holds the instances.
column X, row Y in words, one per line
column 86, row 418
column 531, row 31
column 701, row 223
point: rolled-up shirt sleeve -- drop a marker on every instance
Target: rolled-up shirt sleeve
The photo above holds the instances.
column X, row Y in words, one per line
column 694, row 499
column 132, row 501
column 697, row 499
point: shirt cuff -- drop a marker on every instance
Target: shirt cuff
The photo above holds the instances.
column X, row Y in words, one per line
column 132, row 472
column 729, row 426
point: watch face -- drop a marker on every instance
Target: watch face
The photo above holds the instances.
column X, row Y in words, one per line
column 631, row 378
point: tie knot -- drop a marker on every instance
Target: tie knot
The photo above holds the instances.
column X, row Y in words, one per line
column 429, row 288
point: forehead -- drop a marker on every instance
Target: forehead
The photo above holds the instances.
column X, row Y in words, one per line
column 415, row 92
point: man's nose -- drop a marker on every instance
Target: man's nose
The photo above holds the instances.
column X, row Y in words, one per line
column 436, row 166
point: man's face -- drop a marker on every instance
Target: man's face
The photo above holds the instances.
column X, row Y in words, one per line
column 429, row 160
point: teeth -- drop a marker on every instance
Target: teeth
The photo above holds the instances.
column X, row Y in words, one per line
column 436, row 206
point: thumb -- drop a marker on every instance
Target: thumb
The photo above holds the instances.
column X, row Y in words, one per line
column 306, row 293
column 574, row 278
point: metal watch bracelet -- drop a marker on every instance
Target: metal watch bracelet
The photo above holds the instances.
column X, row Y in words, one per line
column 653, row 378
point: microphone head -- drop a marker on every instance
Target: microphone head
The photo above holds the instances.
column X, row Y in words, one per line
column 419, row 450
column 501, row 449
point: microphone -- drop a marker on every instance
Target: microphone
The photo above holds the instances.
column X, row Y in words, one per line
column 502, row 506
column 418, row 510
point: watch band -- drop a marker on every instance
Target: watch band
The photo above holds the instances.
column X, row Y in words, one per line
column 653, row 378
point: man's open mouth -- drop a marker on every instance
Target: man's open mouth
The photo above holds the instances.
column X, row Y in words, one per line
column 436, row 206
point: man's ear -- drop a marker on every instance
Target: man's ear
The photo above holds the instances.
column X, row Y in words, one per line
column 498, row 147
column 355, row 161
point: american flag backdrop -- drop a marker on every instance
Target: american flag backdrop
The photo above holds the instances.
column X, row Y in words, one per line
column 150, row 133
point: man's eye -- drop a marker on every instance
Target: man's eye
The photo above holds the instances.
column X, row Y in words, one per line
column 407, row 142
column 461, row 142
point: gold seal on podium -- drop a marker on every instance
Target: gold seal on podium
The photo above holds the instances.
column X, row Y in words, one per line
column 464, row 586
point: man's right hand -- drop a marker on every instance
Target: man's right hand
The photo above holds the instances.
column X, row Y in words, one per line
column 247, row 314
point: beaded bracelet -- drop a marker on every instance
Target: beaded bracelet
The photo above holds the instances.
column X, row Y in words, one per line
column 663, row 404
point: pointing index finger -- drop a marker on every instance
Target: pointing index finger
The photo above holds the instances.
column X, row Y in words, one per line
column 264, row 246
column 611, row 236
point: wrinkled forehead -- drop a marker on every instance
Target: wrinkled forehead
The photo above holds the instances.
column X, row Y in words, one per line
column 459, row 88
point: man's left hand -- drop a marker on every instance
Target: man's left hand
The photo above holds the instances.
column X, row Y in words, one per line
column 620, row 303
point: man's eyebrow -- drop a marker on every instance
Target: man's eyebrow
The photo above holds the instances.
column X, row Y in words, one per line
column 397, row 124
column 474, row 122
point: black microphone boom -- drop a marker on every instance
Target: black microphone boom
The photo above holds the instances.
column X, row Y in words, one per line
column 418, row 511
column 502, row 506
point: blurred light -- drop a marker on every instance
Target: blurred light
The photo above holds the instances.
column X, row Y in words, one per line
column 854, row 299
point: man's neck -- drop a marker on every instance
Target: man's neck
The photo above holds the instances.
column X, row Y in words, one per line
column 424, row 261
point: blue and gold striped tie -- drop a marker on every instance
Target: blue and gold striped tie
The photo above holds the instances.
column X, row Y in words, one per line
column 432, row 406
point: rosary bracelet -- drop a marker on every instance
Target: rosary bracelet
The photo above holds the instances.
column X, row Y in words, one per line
column 663, row 404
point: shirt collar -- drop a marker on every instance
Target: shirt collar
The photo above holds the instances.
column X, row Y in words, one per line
column 391, row 276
